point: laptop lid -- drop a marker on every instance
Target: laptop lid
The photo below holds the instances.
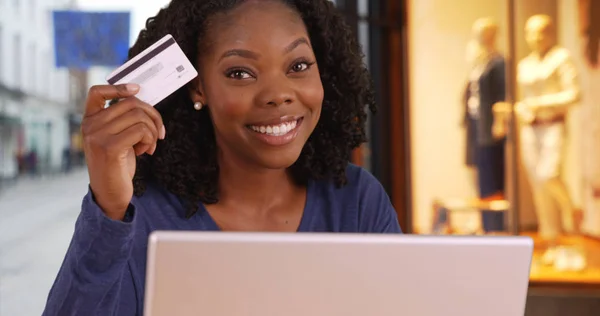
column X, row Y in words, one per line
column 273, row 274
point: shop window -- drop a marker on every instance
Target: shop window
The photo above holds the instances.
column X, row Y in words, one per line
column 504, row 104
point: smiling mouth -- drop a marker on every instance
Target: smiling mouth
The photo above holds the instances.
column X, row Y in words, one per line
column 276, row 134
column 280, row 129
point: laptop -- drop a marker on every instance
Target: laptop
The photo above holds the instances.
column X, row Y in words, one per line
column 316, row 274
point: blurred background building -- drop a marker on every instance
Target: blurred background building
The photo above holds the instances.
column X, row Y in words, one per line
column 37, row 100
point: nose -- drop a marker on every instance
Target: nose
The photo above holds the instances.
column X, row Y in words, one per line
column 276, row 92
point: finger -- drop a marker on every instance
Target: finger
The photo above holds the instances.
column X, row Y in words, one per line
column 127, row 105
column 98, row 95
column 150, row 149
column 137, row 136
column 143, row 148
column 133, row 117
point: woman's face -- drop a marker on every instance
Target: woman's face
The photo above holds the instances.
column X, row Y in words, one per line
column 260, row 81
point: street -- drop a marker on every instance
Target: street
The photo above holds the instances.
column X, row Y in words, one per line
column 36, row 225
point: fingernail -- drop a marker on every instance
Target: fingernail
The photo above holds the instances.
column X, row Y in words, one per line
column 132, row 87
column 163, row 132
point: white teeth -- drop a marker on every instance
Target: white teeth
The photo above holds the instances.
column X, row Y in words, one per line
column 275, row 130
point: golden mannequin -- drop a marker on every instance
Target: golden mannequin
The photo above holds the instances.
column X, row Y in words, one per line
column 548, row 86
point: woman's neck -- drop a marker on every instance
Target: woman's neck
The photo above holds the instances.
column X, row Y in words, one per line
column 255, row 188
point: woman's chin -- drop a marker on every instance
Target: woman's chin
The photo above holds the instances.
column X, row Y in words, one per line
column 278, row 161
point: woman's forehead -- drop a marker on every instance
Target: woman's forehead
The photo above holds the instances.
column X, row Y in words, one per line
column 256, row 14
column 257, row 24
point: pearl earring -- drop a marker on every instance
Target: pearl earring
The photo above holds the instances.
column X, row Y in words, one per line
column 198, row 106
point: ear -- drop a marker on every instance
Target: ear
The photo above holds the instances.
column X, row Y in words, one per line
column 196, row 91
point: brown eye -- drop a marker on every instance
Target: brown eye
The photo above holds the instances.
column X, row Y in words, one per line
column 238, row 74
column 299, row 67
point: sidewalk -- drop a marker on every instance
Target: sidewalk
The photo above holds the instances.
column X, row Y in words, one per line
column 37, row 221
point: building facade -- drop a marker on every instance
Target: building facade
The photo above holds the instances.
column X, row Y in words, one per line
column 36, row 98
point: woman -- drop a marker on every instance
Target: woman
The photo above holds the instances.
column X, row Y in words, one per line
column 259, row 142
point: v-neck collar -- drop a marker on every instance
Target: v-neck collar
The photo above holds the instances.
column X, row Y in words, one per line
column 305, row 222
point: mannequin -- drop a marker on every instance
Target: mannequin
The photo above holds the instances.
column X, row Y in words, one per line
column 548, row 84
column 485, row 88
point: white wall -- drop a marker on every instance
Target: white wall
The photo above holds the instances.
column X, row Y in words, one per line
column 28, row 65
column 35, row 63
column 438, row 34
column 584, row 163
column 568, row 38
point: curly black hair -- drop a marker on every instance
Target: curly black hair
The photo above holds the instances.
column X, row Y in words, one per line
column 185, row 163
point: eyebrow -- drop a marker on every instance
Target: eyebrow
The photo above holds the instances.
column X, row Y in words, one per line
column 295, row 44
column 252, row 55
column 241, row 53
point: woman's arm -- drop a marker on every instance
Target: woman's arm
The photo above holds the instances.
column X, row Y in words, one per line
column 94, row 278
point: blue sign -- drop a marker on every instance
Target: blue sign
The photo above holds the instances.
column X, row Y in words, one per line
column 84, row 39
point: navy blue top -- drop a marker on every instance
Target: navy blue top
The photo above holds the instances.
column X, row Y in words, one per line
column 492, row 89
column 104, row 270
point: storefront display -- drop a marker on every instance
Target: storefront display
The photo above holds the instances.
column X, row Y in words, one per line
column 548, row 83
column 517, row 125
column 486, row 87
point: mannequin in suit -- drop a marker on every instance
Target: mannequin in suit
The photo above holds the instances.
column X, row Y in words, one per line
column 486, row 86
column 547, row 80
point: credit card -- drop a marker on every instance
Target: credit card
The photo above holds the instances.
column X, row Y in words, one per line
column 159, row 70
